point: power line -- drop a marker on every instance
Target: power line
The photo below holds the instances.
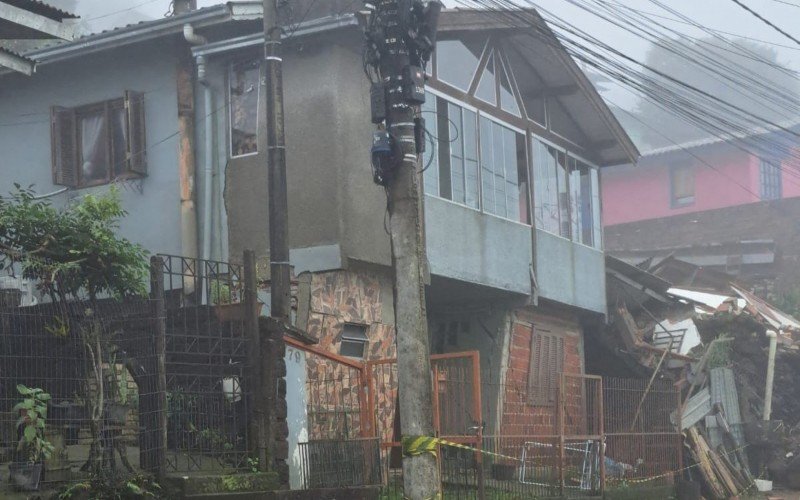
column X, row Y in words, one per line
column 676, row 103
column 766, row 21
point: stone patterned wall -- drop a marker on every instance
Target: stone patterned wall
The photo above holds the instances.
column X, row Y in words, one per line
column 340, row 297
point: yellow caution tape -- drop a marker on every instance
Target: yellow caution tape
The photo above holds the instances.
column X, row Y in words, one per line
column 417, row 445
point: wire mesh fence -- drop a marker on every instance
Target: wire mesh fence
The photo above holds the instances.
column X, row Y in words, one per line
column 154, row 385
column 96, row 364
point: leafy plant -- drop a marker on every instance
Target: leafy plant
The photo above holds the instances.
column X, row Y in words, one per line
column 720, row 355
column 72, row 251
column 252, row 464
column 220, row 293
column 138, row 487
column 32, row 421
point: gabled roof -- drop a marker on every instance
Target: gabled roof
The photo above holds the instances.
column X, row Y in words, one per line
column 533, row 39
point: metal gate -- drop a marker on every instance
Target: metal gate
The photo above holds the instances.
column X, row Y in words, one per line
column 456, row 416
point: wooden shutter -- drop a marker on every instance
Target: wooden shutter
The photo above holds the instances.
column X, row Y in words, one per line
column 137, row 149
column 64, row 146
column 546, row 364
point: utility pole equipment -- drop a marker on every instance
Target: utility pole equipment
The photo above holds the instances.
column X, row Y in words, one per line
column 400, row 38
column 273, row 367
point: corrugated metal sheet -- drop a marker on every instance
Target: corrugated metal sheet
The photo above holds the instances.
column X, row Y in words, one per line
column 42, row 9
column 697, row 407
column 723, row 390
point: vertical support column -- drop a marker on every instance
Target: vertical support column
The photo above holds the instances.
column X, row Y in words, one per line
column 160, row 328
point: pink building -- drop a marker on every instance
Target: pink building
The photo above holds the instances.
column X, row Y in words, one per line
column 694, row 177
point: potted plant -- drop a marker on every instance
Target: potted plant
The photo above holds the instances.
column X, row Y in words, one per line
column 33, row 448
column 223, row 299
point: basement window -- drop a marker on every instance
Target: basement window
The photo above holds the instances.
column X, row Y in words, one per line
column 354, row 341
column 99, row 143
column 244, row 90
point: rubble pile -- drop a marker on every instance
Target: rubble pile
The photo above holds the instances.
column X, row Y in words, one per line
column 711, row 336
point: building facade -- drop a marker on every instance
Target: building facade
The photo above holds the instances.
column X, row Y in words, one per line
column 701, row 175
column 517, row 137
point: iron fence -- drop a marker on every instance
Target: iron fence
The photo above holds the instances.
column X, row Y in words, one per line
column 208, row 358
column 336, row 463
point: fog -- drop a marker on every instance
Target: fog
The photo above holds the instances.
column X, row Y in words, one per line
column 724, row 16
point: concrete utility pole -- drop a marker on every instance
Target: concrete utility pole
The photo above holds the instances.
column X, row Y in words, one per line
column 388, row 35
column 272, row 360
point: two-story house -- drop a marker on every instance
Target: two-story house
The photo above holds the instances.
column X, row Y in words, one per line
column 170, row 111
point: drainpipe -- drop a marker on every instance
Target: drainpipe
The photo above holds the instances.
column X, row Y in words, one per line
column 207, row 173
column 773, row 346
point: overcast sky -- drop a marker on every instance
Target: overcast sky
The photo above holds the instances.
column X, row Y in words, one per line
column 716, row 14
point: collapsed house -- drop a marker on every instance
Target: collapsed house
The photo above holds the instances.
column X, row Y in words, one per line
column 710, row 336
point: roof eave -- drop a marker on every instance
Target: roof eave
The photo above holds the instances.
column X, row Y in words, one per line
column 17, row 63
column 131, row 34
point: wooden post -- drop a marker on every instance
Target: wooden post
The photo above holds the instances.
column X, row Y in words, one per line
column 255, row 425
column 160, row 344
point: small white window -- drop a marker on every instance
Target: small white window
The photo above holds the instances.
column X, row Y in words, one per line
column 354, row 341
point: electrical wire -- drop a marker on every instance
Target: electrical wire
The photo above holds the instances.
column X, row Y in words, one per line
column 679, row 100
column 766, row 21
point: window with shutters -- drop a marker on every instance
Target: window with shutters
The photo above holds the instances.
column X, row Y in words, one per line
column 546, row 365
column 99, row 143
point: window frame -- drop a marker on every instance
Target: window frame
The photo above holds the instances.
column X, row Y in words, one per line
column 229, row 104
column 345, row 337
column 106, row 109
column 85, row 111
column 686, row 201
column 774, row 189
column 452, row 100
column 569, row 154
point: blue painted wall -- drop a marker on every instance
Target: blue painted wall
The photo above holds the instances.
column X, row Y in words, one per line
column 154, row 202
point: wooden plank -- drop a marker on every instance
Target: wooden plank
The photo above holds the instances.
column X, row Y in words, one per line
column 704, row 466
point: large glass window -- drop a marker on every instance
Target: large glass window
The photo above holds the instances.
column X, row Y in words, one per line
column 566, row 195
column 456, row 62
column 503, row 171
column 455, row 171
column 551, row 207
column 583, row 202
column 457, row 153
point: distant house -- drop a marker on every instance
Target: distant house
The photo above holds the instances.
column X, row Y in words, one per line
column 703, row 175
column 725, row 205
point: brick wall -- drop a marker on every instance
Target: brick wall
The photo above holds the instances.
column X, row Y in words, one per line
column 519, row 415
